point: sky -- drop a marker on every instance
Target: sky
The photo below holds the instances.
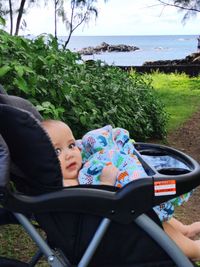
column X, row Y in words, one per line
column 117, row 17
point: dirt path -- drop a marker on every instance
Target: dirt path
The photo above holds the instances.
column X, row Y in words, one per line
column 187, row 139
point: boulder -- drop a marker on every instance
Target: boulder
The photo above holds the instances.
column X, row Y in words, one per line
column 105, row 47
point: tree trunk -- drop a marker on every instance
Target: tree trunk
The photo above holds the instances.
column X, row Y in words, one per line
column 70, row 24
column 67, row 41
column 55, row 18
column 19, row 17
column 11, row 17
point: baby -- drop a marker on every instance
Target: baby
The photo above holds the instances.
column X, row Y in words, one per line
column 70, row 159
column 69, row 154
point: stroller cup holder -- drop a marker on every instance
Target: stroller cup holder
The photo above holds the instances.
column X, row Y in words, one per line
column 20, row 130
column 173, row 171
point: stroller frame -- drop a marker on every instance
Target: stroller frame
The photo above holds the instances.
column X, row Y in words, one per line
column 143, row 221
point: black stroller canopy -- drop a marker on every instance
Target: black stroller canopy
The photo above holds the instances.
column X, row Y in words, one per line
column 30, row 149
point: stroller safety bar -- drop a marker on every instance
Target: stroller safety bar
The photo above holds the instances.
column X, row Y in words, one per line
column 120, row 206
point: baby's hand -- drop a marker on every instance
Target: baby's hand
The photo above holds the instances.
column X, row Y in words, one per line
column 109, row 175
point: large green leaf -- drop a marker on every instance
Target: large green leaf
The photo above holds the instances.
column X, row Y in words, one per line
column 4, row 70
column 22, row 84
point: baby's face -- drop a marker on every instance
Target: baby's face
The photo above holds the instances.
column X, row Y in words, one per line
column 68, row 153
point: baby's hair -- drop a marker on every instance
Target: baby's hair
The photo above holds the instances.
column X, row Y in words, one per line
column 51, row 123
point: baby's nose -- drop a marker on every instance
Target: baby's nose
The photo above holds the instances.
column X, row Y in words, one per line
column 68, row 153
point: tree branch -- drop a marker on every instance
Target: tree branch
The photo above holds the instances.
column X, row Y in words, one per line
column 181, row 7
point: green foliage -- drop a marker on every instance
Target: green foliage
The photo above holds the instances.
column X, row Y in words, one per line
column 2, row 21
column 86, row 96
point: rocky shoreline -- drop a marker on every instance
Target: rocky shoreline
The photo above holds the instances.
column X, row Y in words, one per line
column 105, row 47
column 193, row 59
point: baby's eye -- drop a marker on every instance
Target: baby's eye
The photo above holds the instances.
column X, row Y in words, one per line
column 72, row 145
column 58, row 151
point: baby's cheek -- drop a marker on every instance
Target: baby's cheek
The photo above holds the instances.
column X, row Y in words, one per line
column 80, row 157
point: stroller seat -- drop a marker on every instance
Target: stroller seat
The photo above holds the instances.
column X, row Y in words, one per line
column 88, row 225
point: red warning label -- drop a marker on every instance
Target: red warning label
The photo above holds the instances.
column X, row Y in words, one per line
column 165, row 187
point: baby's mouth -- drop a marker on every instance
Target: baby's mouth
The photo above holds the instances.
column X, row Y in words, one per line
column 71, row 166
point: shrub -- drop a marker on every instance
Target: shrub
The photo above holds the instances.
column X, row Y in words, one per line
column 86, row 96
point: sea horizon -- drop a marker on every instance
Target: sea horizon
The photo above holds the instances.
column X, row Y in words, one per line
column 121, row 35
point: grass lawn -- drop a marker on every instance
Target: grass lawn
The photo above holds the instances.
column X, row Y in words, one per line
column 180, row 95
column 16, row 243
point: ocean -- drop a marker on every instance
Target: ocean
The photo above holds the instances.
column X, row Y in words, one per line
column 151, row 48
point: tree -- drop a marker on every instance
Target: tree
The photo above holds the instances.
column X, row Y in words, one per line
column 13, row 8
column 191, row 7
column 81, row 11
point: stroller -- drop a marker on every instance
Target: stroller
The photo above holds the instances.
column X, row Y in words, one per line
column 86, row 225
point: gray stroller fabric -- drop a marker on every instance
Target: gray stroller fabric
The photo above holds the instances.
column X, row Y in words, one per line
column 19, row 102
